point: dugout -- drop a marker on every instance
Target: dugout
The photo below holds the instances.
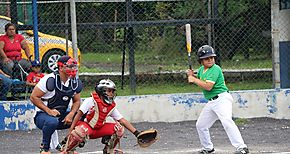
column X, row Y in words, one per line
column 284, row 42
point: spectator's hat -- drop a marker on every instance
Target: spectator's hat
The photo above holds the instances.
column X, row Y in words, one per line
column 35, row 63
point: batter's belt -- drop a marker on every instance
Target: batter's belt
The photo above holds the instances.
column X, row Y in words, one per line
column 215, row 97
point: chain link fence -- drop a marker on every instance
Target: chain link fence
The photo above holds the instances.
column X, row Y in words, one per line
column 141, row 45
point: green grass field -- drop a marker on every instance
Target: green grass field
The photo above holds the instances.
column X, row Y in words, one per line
column 158, row 63
column 147, row 89
column 148, row 63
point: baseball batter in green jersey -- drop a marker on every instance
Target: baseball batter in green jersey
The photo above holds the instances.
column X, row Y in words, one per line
column 211, row 79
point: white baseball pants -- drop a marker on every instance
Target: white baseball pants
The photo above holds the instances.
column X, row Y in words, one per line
column 54, row 140
column 220, row 108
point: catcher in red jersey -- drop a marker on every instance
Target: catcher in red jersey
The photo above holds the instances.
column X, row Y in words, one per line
column 96, row 109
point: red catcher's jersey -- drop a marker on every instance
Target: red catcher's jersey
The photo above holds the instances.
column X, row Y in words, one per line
column 96, row 117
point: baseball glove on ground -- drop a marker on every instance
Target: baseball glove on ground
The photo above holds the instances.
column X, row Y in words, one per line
column 147, row 137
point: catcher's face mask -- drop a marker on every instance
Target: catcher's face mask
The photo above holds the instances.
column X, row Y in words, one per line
column 109, row 95
column 107, row 89
column 69, row 67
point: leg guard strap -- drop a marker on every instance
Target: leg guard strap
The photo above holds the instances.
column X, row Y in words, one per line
column 77, row 136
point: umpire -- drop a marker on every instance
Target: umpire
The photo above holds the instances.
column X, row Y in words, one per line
column 52, row 96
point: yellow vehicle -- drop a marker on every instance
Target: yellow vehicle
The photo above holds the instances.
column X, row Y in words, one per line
column 50, row 47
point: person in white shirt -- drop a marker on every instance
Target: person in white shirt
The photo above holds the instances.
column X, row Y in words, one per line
column 52, row 96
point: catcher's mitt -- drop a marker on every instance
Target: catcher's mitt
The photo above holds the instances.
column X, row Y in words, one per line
column 147, row 137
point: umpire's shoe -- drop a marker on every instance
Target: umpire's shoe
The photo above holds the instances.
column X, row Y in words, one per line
column 202, row 151
column 43, row 151
column 242, row 151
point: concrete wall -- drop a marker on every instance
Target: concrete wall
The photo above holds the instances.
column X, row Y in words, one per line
column 166, row 108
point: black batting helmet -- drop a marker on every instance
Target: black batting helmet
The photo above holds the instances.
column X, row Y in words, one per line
column 205, row 51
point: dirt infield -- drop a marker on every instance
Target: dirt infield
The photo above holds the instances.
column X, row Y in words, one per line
column 262, row 135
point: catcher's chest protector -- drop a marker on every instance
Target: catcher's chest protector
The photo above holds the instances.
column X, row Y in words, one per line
column 98, row 114
column 63, row 95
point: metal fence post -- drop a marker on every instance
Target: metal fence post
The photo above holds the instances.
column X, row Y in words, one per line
column 13, row 12
column 35, row 29
column 209, row 26
column 74, row 28
column 66, row 29
column 131, row 43
column 214, row 39
column 275, row 43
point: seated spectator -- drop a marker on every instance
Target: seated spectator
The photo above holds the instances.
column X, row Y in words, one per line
column 5, row 86
column 11, row 45
column 35, row 75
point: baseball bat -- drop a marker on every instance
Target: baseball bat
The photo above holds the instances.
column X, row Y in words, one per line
column 188, row 43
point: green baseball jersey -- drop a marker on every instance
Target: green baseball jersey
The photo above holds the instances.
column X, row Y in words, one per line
column 214, row 75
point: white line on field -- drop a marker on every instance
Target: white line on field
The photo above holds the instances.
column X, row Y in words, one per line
column 183, row 152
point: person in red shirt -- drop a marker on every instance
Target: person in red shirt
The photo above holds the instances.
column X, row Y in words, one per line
column 35, row 75
column 11, row 45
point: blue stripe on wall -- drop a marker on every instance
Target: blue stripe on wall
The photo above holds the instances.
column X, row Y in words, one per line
column 15, row 115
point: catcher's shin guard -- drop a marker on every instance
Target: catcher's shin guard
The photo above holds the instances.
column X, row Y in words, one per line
column 112, row 143
column 77, row 136
column 114, row 140
column 106, row 150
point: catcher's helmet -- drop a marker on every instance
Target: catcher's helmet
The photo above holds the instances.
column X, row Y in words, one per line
column 101, row 89
column 205, row 51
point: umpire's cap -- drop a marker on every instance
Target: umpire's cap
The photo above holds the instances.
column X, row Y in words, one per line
column 66, row 60
column 205, row 51
column 63, row 59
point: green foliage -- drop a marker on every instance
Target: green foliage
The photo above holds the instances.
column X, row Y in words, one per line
column 241, row 121
column 163, row 10
column 166, row 44
column 243, row 25
column 191, row 10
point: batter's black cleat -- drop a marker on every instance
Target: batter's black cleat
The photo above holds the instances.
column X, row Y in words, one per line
column 202, row 151
column 242, row 151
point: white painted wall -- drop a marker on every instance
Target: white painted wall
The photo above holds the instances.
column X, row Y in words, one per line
column 181, row 107
column 166, row 108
